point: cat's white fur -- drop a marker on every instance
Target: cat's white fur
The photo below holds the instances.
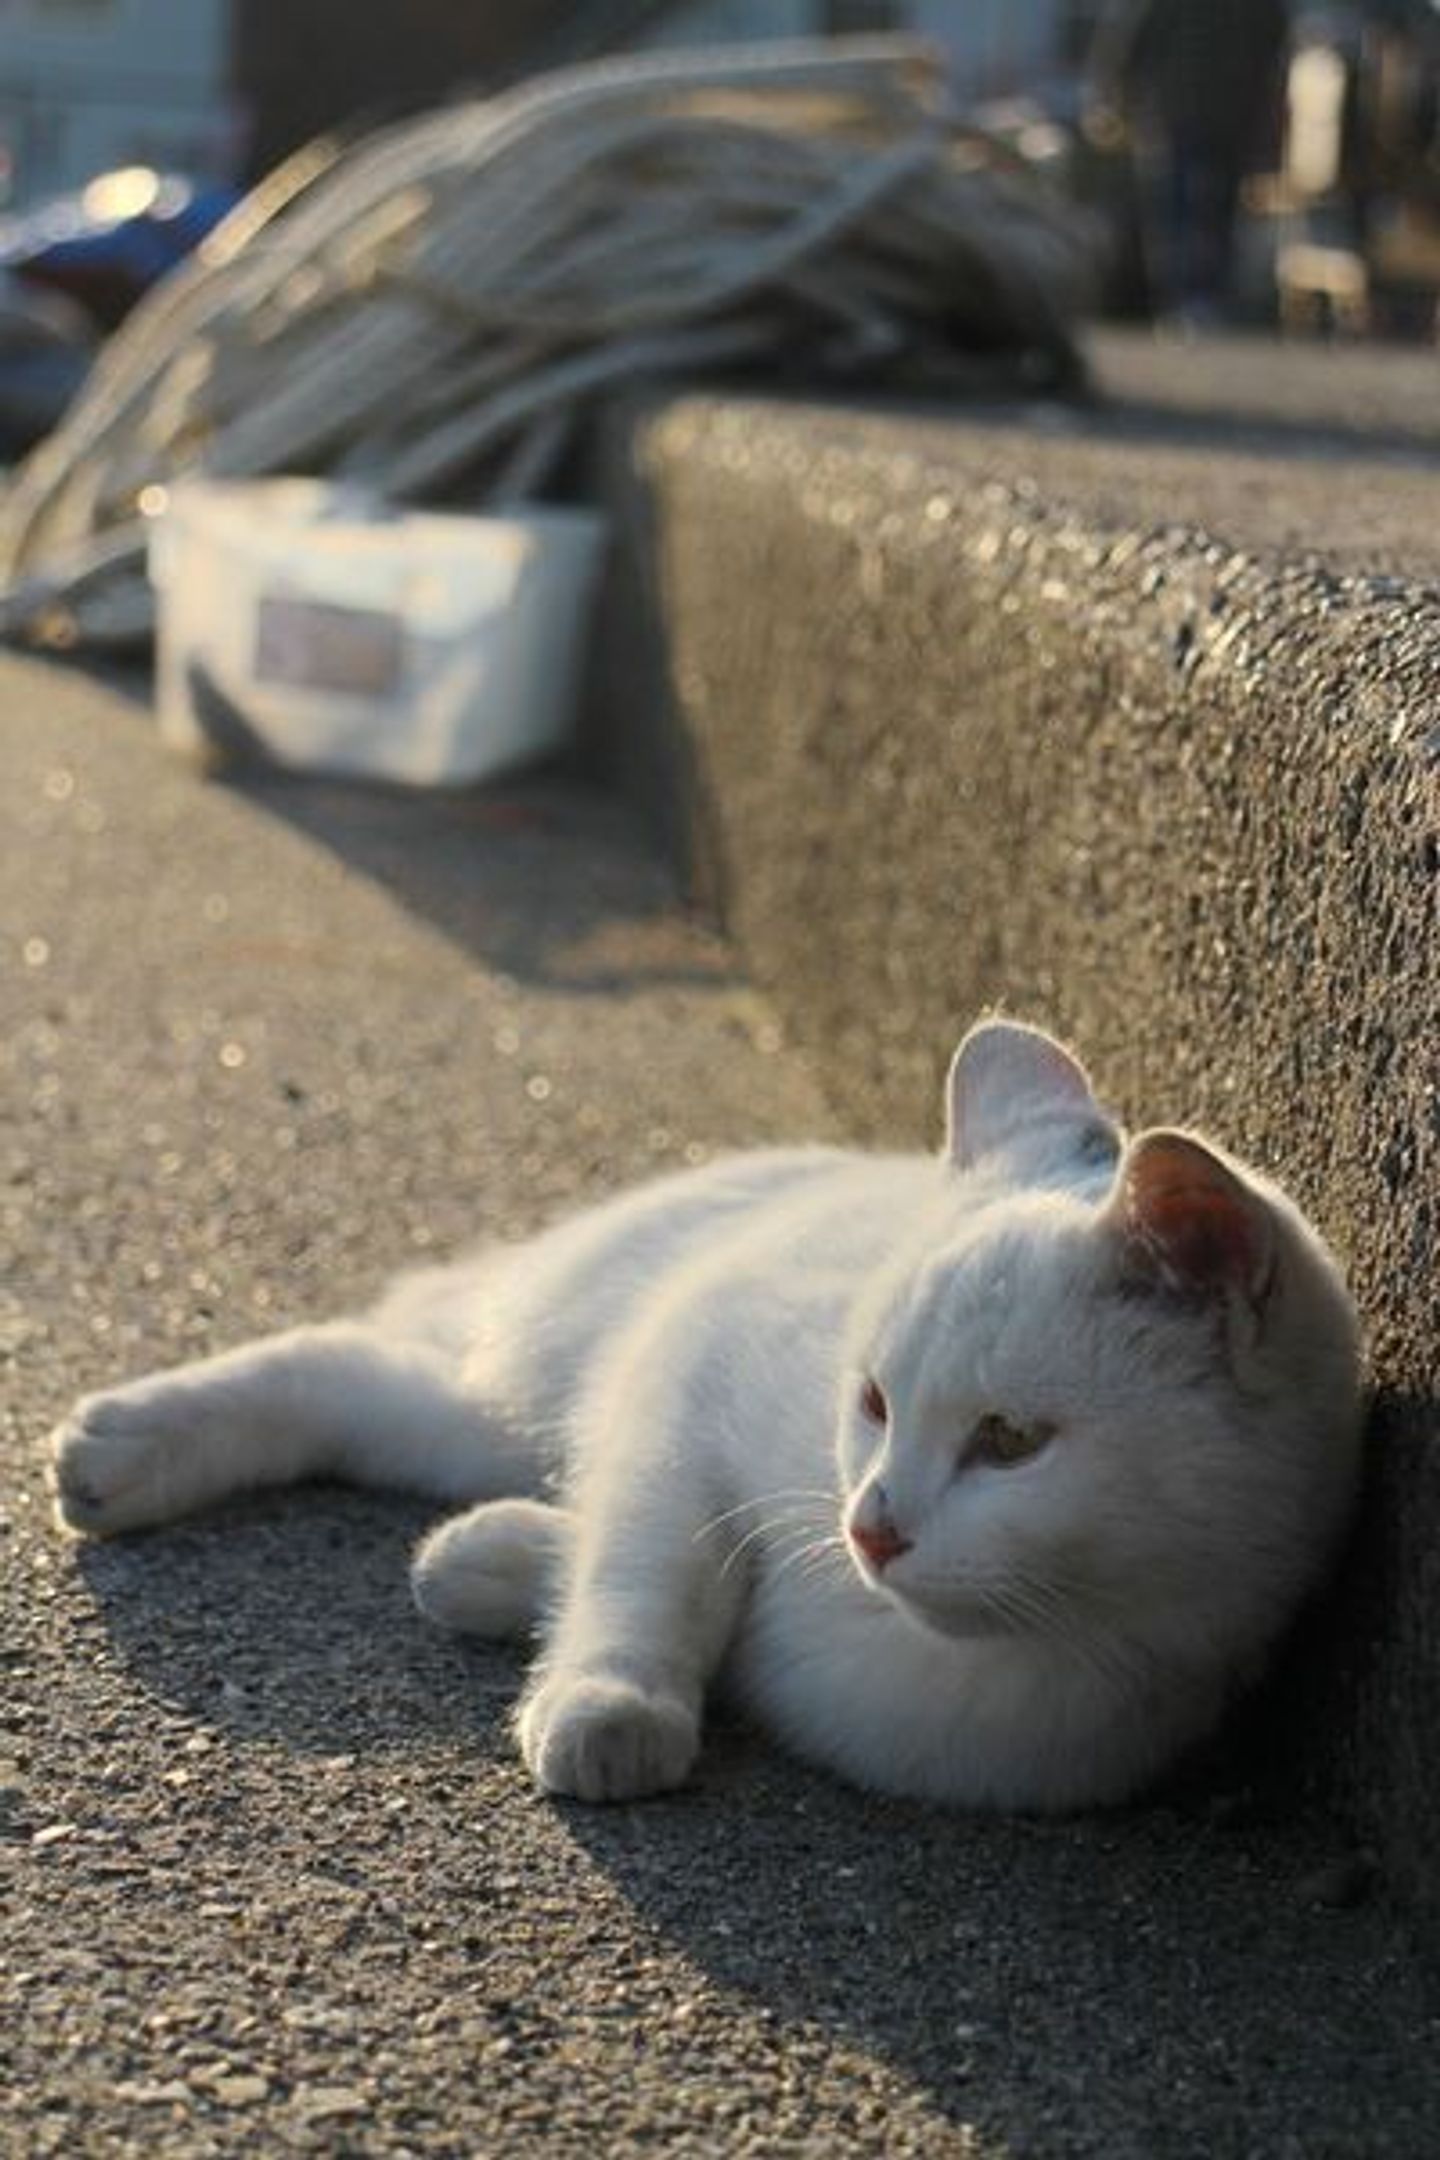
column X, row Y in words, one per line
column 661, row 1408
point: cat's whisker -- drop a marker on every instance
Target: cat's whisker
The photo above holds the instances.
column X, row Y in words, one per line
column 1042, row 1605
column 760, row 1500
column 812, row 1559
column 780, row 1527
column 1028, row 1604
column 823, row 1564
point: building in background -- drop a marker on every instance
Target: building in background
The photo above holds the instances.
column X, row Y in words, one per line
column 995, row 48
column 992, row 48
column 222, row 89
column 86, row 85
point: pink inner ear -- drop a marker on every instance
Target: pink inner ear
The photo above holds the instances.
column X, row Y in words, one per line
column 1193, row 1215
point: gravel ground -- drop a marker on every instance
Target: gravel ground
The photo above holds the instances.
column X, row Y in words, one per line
column 272, row 1879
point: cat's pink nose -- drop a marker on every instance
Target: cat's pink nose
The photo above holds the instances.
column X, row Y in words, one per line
column 880, row 1544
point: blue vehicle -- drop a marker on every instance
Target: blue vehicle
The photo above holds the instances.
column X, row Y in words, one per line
column 73, row 269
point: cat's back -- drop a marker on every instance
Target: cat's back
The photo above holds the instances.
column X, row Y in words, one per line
column 748, row 1267
column 527, row 1319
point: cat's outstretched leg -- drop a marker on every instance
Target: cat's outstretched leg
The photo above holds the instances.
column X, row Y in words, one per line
column 492, row 1570
column 341, row 1400
column 646, row 1607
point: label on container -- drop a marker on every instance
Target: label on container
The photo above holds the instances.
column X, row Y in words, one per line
column 320, row 645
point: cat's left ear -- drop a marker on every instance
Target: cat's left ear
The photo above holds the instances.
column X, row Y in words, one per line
column 1005, row 1077
column 1188, row 1224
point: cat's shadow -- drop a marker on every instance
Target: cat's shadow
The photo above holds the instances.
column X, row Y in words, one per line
column 291, row 1620
column 1184, row 1977
column 1160, row 1969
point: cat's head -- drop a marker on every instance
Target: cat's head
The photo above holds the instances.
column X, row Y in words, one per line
column 1118, row 1403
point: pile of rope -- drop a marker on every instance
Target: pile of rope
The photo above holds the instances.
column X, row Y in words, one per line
column 432, row 311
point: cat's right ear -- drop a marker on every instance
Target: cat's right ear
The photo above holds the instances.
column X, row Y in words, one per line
column 1188, row 1224
column 1004, row 1077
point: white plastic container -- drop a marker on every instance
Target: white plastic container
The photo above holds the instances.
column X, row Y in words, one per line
column 305, row 624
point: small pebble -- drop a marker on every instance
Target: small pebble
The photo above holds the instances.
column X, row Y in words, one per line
column 53, row 1833
column 245, row 2090
column 142, row 2094
column 322, row 2102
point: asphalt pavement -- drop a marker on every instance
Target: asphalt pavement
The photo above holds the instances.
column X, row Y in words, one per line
column 273, row 1880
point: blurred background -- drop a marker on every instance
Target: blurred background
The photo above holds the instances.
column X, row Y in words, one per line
column 1248, row 163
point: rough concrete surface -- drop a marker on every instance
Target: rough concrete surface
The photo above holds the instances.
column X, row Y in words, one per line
column 272, row 1880
column 1137, row 734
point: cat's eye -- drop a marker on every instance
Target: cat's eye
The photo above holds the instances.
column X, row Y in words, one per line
column 873, row 1403
column 998, row 1441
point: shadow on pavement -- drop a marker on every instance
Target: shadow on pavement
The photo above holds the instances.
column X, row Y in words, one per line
column 478, row 864
column 289, row 1618
column 1173, row 1985
column 1182, row 1978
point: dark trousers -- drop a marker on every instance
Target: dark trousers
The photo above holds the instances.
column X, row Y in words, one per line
column 1190, row 199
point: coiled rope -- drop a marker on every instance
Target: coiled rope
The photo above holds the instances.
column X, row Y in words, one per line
column 433, row 310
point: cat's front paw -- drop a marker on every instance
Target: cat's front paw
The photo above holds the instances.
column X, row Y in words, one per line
column 114, row 1465
column 595, row 1738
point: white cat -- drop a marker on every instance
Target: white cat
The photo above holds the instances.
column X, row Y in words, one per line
column 981, row 1478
